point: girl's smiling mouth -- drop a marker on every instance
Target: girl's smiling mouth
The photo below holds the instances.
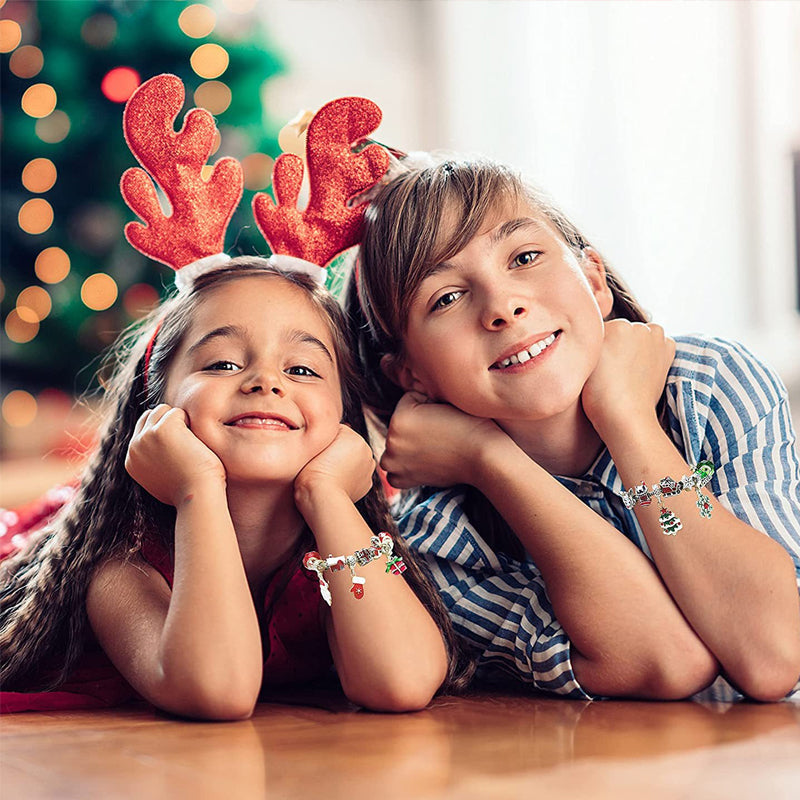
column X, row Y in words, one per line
column 262, row 421
column 526, row 353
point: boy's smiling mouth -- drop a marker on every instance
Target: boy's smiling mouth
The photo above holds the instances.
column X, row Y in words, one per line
column 257, row 419
column 526, row 353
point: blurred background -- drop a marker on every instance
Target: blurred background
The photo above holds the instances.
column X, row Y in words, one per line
column 670, row 132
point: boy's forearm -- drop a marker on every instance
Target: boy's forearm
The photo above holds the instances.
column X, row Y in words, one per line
column 604, row 591
column 735, row 585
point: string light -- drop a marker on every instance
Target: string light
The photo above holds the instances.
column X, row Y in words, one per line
column 257, row 168
column 10, row 35
column 34, row 304
column 214, row 96
column 35, row 216
column 26, row 61
column 197, row 21
column 53, row 129
column 120, row 83
column 99, row 291
column 19, row 408
column 99, row 31
column 39, row 100
column 18, row 329
column 39, row 175
column 209, row 60
column 52, row 265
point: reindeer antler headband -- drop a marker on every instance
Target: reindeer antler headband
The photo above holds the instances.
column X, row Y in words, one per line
column 191, row 239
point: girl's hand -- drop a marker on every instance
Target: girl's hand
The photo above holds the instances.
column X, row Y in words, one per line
column 629, row 377
column 167, row 459
column 434, row 444
column 345, row 465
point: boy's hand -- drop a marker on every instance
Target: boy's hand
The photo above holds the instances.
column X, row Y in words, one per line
column 346, row 464
column 167, row 459
column 629, row 378
column 433, row 444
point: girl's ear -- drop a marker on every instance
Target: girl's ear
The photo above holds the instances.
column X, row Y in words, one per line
column 595, row 270
column 399, row 373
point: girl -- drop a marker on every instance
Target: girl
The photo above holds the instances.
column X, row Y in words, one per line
column 519, row 371
column 234, row 445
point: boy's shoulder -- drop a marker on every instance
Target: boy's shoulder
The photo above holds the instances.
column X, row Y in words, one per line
column 714, row 363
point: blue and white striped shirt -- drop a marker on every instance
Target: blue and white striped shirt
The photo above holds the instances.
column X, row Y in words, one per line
column 722, row 405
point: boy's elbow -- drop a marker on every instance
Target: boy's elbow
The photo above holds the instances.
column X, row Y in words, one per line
column 769, row 681
column 694, row 669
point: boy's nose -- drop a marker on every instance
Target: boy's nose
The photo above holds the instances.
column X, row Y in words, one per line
column 499, row 313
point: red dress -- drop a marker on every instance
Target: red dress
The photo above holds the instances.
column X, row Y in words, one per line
column 298, row 645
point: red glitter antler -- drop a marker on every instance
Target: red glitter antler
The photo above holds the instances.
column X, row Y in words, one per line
column 201, row 210
column 336, row 175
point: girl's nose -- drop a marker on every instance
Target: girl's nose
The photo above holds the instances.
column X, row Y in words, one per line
column 263, row 383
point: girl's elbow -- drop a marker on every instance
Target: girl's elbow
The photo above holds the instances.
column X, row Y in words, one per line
column 212, row 700
column 769, row 681
column 397, row 695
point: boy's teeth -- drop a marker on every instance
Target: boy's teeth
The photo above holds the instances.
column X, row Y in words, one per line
column 527, row 355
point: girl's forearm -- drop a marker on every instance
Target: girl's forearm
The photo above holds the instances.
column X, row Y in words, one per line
column 735, row 585
column 389, row 653
column 211, row 645
column 630, row 637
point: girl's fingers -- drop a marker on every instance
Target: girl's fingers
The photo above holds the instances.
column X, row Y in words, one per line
column 159, row 412
column 141, row 422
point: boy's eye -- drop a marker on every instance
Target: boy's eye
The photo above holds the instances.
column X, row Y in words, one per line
column 447, row 299
column 527, row 258
column 221, row 366
column 302, row 371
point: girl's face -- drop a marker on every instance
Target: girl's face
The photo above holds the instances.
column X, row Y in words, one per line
column 511, row 327
column 256, row 374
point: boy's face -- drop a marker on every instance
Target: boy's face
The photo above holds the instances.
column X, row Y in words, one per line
column 257, row 376
column 517, row 292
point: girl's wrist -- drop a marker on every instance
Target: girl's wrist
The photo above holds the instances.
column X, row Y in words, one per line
column 313, row 498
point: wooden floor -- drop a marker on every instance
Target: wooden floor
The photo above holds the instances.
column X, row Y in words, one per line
column 492, row 745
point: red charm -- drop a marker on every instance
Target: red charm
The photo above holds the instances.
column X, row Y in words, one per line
column 358, row 587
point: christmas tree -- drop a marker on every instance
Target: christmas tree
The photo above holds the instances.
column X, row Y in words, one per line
column 70, row 281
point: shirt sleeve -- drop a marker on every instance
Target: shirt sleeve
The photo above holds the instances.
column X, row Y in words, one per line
column 497, row 604
column 750, row 438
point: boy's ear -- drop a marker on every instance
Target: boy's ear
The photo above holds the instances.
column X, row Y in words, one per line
column 398, row 372
column 595, row 270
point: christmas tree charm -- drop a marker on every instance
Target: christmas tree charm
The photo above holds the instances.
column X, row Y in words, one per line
column 670, row 524
column 703, row 504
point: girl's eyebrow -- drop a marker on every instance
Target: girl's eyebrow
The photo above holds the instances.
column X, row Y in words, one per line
column 304, row 337
column 223, row 331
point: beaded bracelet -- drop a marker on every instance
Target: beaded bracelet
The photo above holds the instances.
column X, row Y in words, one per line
column 379, row 545
column 670, row 523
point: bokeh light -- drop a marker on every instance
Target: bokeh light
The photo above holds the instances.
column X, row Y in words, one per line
column 99, row 291
column 26, row 61
column 139, row 299
column 53, row 129
column 240, row 6
column 209, row 60
column 19, row 408
column 197, row 21
column 99, row 31
column 18, row 330
column 52, row 265
column 216, row 143
column 120, row 83
column 10, row 35
column 257, row 168
column 35, row 216
column 2, row 291
column 39, row 175
column 34, row 304
column 205, row 172
column 39, row 100
column 214, row 96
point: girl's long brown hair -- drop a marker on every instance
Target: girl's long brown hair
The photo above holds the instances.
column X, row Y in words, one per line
column 419, row 219
column 43, row 621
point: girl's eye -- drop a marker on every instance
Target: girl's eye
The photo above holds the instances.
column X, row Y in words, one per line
column 221, row 366
column 303, row 372
column 527, row 258
column 447, row 299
